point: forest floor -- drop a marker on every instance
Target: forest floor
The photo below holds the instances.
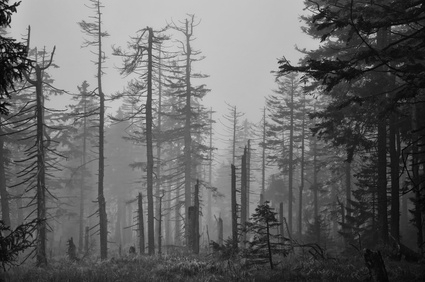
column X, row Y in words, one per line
column 209, row 268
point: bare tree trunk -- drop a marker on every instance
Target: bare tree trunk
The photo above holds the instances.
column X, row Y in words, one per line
column 82, row 184
column 382, row 182
column 5, row 210
column 159, row 218
column 149, row 149
column 187, row 131
column 118, row 223
column 291, row 159
column 103, row 220
column 177, row 227
column 158, row 153
column 209, row 194
column 382, row 161
column 167, row 216
column 348, row 186
column 243, row 196
column 263, row 157
column 395, row 184
column 302, row 164
column 141, row 226
column 416, row 177
column 248, row 177
column 234, row 209
column 41, row 173
column 316, row 192
column 41, row 256
column 196, row 220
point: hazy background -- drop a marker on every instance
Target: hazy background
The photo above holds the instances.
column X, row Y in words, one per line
column 242, row 41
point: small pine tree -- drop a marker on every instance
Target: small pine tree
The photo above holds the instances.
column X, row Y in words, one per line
column 264, row 242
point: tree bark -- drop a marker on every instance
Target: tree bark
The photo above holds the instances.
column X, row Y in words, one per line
column 158, row 152
column 41, row 173
column 149, row 149
column 316, row 192
column 300, row 206
column 141, row 226
column 395, row 184
column 382, row 158
column 5, row 210
column 210, row 157
column 82, row 180
column 243, row 196
column 103, row 220
column 291, row 157
column 234, row 209
column 187, row 131
column 416, row 177
column 263, row 157
column 196, row 219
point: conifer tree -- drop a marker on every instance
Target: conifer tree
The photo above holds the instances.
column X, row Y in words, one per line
column 95, row 32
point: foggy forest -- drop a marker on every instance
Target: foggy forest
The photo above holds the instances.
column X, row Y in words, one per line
column 328, row 184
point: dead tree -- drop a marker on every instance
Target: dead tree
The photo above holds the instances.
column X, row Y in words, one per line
column 244, row 197
column 234, row 209
column 41, row 145
column 196, row 228
column 95, row 31
column 141, row 226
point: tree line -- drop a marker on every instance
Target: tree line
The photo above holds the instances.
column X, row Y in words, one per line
column 338, row 151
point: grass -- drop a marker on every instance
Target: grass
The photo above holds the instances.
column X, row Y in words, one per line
column 201, row 268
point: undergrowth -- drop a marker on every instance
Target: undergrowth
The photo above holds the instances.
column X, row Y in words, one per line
column 207, row 268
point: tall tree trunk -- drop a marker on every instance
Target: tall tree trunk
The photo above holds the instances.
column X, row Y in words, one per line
column 167, row 221
column 103, row 220
column 235, row 125
column 382, row 181
column 395, row 184
column 119, row 222
column 234, row 208
column 348, row 186
column 159, row 218
column 248, row 177
column 263, row 156
column 187, row 133
column 196, row 215
column 149, row 149
column 5, row 211
column 210, row 159
column 300, row 206
column 382, row 157
column 243, row 196
column 141, row 226
column 177, row 227
column 416, row 176
column 41, row 173
column 316, row 192
column 158, row 151
column 41, row 256
column 82, row 180
column 291, row 160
